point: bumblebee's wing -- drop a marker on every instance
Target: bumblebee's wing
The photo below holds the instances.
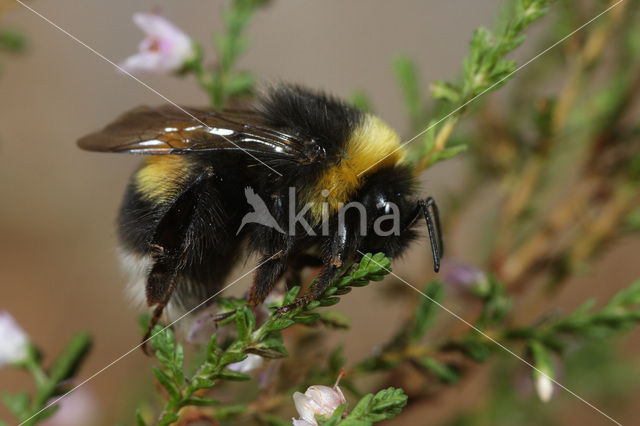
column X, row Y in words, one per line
column 169, row 130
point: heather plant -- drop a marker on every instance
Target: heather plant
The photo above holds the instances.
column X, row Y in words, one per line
column 565, row 166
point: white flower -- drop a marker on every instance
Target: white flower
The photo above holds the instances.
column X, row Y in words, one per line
column 250, row 363
column 317, row 400
column 164, row 50
column 14, row 343
column 544, row 387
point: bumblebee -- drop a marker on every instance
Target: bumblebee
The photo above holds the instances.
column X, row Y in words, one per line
column 190, row 212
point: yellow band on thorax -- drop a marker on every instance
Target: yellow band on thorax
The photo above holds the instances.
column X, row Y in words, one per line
column 372, row 146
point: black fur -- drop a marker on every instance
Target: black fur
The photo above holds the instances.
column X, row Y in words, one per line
column 317, row 116
column 199, row 241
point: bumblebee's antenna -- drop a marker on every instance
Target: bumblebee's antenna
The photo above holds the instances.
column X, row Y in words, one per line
column 437, row 246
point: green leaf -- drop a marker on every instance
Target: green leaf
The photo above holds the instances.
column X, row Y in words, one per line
column 334, row 419
column 330, row 301
column 166, row 383
column 621, row 312
column 272, row 347
column 144, row 320
column 45, row 414
column 443, row 372
column 199, row 401
column 234, row 376
column 361, row 100
column 448, row 153
column 271, row 420
column 69, row 361
column 335, row 320
column 229, row 304
column 168, row 418
column 139, row 420
column 202, row 383
column 240, row 84
column 626, row 297
column 231, row 358
column 291, row 295
column 406, row 74
column 477, row 350
column 212, row 350
column 336, row 360
column 306, row 318
column 496, row 305
column 243, row 324
column 12, row 41
column 385, row 405
column 17, row 403
column 162, row 339
column 278, row 324
column 425, row 314
column 442, row 90
column 230, row 411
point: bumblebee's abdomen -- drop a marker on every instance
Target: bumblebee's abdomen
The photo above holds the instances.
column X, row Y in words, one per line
column 205, row 210
column 162, row 177
column 149, row 195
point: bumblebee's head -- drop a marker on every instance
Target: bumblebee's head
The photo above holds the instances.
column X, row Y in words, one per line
column 393, row 213
column 388, row 198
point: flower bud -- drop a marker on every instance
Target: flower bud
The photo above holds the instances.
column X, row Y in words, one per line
column 544, row 387
column 466, row 278
column 317, row 400
column 203, row 327
column 544, row 374
column 250, row 363
column 14, row 343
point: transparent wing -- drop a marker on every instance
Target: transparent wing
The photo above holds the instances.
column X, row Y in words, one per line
column 169, row 130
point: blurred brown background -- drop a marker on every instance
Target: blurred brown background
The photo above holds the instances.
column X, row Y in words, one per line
column 58, row 269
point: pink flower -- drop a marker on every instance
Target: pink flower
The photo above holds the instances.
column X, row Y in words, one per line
column 14, row 343
column 76, row 409
column 317, row 400
column 203, row 328
column 165, row 49
column 463, row 277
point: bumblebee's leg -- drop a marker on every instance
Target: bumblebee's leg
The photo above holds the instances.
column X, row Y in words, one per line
column 267, row 275
column 169, row 244
column 270, row 271
column 339, row 246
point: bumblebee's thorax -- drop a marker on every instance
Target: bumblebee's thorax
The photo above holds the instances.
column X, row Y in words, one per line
column 371, row 146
